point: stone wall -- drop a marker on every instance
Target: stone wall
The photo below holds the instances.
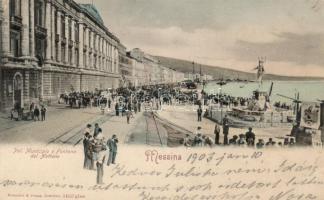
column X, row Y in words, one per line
column 7, row 82
column 56, row 83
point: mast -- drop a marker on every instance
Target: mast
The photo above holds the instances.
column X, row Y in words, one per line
column 193, row 70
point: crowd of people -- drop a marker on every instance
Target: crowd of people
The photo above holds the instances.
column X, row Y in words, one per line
column 282, row 105
column 35, row 113
column 98, row 150
column 245, row 139
column 84, row 99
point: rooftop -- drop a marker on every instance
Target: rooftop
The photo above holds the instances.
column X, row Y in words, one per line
column 92, row 10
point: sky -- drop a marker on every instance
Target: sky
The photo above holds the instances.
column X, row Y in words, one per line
column 226, row 33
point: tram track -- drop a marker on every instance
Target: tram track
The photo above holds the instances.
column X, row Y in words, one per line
column 153, row 133
column 74, row 135
column 162, row 132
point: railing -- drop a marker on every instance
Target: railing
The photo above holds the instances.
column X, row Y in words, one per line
column 71, row 43
column 40, row 30
column 16, row 19
column 15, row 59
column 57, row 37
column 64, row 40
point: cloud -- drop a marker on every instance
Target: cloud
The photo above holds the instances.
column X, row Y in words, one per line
column 226, row 33
column 301, row 49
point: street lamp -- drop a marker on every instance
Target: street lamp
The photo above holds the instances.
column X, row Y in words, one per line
column 219, row 101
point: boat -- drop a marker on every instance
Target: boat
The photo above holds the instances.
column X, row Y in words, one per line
column 258, row 111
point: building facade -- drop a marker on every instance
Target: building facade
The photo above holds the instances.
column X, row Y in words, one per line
column 126, row 67
column 49, row 47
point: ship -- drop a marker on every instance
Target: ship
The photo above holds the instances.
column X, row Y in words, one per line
column 257, row 111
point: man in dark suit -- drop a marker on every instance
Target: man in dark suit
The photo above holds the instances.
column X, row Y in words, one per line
column 36, row 113
column 112, row 145
column 225, row 129
column 43, row 112
column 96, row 130
column 199, row 112
column 217, row 132
column 117, row 109
column 250, row 137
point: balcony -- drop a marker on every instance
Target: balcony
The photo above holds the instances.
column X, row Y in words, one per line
column 57, row 37
column 71, row 43
column 16, row 22
column 40, row 31
column 63, row 40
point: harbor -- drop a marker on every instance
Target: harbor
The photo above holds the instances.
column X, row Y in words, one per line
column 164, row 121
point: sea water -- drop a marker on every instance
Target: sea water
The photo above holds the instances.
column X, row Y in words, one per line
column 308, row 90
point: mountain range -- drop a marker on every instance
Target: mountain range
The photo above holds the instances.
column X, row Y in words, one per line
column 222, row 72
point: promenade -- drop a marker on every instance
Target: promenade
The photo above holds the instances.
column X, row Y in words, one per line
column 65, row 126
column 186, row 117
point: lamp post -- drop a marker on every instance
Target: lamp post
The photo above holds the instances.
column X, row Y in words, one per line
column 219, row 101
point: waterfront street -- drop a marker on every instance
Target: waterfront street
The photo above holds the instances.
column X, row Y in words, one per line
column 186, row 116
column 65, row 126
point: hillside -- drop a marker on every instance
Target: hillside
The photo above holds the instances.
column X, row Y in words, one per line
column 221, row 72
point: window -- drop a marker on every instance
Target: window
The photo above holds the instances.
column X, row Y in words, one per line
column 39, row 13
column 15, row 42
column 94, row 42
column 55, row 22
column 89, row 38
column 40, row 47
column 15, row 8
column 62, row 53
column 90, row 60
column 62, row 27
column 70, row 56
column 85, row 60
column 76, row 32
column 84, row 36
column 70, row 29
column 56, row 52
column 76, row 57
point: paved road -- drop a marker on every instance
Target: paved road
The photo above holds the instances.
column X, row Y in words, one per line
column 65, row 126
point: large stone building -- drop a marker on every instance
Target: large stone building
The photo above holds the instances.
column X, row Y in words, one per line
column 49, row 47
column 126, row 67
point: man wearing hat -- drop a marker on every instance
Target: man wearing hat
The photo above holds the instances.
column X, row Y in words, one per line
column 100, row 160
column 270, row 142
column 186, row 141
column 112, row 145
column 225, row 129
column 250, row 137
column 217, row 132
column 87, row 129
column 260, row 144
column 199, row 113
column 96, row 130
column 199, row 130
